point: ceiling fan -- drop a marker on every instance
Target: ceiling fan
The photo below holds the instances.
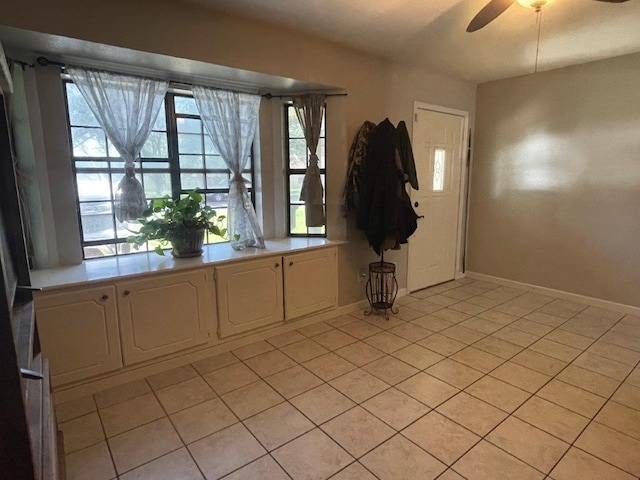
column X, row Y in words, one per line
column 495, row 8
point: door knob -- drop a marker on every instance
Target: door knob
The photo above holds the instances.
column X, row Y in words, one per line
column 416, row 204
column 277, row 265
column 291, row 264
column 126, row 293
column 104, row 297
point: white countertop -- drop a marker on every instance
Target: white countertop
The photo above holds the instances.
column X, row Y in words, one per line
column 126, row 266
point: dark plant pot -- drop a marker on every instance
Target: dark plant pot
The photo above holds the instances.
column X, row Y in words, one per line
column 189, row 244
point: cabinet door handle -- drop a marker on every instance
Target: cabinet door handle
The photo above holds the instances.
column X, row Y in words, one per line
column 126, row 293
column 30, row 374
column 277, row 265
column 291, row 264
column 104, row 297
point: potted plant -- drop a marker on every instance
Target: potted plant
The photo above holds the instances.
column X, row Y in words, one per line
column 182, row 223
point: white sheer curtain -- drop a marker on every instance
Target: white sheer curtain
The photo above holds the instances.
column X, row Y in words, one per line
column 309, row 110
column 230, row 119
column 126, row 108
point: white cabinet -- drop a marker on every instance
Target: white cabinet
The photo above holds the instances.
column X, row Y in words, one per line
column 249, row 295
column 310, row 282
column 79, row 332
column 163, row 314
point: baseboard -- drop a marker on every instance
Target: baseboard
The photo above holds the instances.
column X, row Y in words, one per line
column 66, row 393
column 574, row 297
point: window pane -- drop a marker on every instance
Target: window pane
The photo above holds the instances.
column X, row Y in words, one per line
column 438, row 169
column 189, row 125
column 161, row 120
column 297, row 154
column 217, row 201
column 295, row 185
column 147, row 165
column 191, row 181
column 97, row 251
column 295, row 130
column 217, row 180
column 210, row 238
column 189, row 143
column 93, row 164
column 88, row 142
column 209, row 148
column 185, row 105
column 320, row 152
column 79, row 112
column 316, row 230
column 157, row 185
column 97, row 221
column 297, row 219
column 191, row 161
column 93, row 186
column 155, row 146
column 213, row 162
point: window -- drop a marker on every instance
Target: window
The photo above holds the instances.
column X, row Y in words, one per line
column 438, row 169
column 297, row 159
column 178, row 156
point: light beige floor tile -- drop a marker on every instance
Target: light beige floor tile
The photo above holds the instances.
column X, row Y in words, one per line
column 121, row 393
column 334, row 339
column 360, row 329
column 450, row 475
column 171, row 377
column 377, row 319
column 315, row 329
column 355, row 471
column 285, row 339
column 201, row 420
column 519, row 376
column 588, row 380
column 357, row 431
column 427, row 389
column 528, row 443
column 563, row 308
column 416, row 310
column 484, row 302
column 468, row 308
column 603, row 366
column 620, row 418
column 443, row 345
column 454, row 373
column 514, row 309
column 498, row 393
column 276, row 426
column 360, row 353
column 481, row 325
column 539, row 362
column 173, row 466
column 569, row 338
column 213, row 363
column 484, row 418
column 269, row 363
column 398, row 458
column 252, row 350
column 622, row 340
column 534, row 328
column 91, row 463
column 417, row 356
column 251, row 399
column 459, row 294
column 304, row 350
column 390, row 370
column 545, row 319
column 75, row 408
column 387, row 342
column 497, row 347
column 395, row 408
column 341, row 321
column 405, row 300
column 551, row 418
column 313, row 456
column 225, row 451
column 628, row 395
column 579, row 465
column 229, row 378
column 143, row 444
column 293, row 381
column 462, row 334
column 411, row 332
column 611, row 446
column 573, row 398
column 184, row 395
column 264, row 468
column 442, row 438
column 474, row 358
column 81, row 432
column 329, row 366
column 132, row 413
column 487, row 462
column 586, row 326
column 322, row 403
column 442, row 300
column 517, row 337
column 498, row 317
column 358, row 385
column 613, row 352
column 555, row 350
column 634, row 377
column 432, row 323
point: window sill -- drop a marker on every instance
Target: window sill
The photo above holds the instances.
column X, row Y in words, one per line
column 138, row 264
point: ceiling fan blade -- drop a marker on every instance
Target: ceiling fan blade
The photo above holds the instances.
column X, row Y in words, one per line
column 490, row 12
column 612, row 1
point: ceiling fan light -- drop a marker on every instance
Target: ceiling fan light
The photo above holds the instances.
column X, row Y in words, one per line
column 534, row 4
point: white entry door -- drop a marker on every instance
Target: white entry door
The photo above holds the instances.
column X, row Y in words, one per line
column 438, row 146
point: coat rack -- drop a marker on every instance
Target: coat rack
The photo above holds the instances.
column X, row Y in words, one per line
column 382, row 287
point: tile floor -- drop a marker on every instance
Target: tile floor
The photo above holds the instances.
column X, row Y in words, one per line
column 469, row 380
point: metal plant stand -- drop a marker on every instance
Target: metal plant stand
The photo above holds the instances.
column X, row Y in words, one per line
column 382, row 287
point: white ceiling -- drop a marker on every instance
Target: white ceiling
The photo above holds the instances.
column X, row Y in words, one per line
column 432, row 32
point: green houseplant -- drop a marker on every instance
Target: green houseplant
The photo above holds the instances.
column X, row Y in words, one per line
column 181, row 222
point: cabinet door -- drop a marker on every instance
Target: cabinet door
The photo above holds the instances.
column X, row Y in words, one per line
column 162, row 314
column 249, row 295
column 310, row 282
column 79, row 332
